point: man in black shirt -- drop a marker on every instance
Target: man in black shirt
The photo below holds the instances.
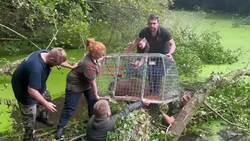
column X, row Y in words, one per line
column 158, row 38
column 154, row 39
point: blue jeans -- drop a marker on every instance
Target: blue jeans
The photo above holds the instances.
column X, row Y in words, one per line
column 70, row 104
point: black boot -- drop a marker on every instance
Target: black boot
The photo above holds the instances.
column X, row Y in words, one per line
column 45, row 121
column 29, row 135
column 59, row 134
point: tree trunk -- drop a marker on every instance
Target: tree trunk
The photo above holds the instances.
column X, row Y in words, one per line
column 200, row 95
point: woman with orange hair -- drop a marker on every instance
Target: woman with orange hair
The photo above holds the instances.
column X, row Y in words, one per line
column 82, row 80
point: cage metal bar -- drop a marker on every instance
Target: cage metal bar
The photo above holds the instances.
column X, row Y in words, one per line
column 144, row 77
column 115, row 75
column 138, row 84
column 164, row 78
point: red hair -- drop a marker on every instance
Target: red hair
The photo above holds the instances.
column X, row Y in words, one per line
column 95, row 48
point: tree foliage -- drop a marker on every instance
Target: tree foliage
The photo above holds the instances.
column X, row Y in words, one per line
column 143, row 124
column 230, row 101
column 40, row 19
column 195, row 49
column 114, row 22
column 118, row 22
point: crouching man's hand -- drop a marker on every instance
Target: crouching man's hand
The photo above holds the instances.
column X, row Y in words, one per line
column 50, row 107
column 168, row 119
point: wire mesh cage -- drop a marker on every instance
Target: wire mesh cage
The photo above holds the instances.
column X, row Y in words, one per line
column 132, row 77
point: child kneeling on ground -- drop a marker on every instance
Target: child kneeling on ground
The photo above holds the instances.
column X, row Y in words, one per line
column 102, row 121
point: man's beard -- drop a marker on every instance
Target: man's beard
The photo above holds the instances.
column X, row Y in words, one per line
column 153, row 33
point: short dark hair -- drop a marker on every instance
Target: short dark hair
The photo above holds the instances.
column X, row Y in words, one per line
column 57, row 56
column 153, row 17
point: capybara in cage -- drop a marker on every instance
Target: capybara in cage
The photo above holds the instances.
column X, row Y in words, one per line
column 131, row 89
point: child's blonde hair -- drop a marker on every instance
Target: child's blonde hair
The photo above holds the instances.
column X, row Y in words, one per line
column 102, row 108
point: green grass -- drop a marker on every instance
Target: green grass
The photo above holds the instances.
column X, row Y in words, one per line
column 6, row 121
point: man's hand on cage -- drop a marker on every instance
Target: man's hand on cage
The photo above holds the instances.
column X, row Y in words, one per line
column 106, row 98
column 146, row 102
column 169, row 56
column 138, row 63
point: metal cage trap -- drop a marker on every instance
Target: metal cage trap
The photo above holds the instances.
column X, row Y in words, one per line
column 132, row 77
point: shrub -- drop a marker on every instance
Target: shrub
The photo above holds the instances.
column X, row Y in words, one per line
column 206, row 45
column 188, row 63
column 194, row 49
column 211, row 51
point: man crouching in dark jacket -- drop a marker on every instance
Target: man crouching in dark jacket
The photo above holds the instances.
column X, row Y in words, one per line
column 102, row 121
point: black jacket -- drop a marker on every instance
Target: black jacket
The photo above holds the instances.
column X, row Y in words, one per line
column 98, row 127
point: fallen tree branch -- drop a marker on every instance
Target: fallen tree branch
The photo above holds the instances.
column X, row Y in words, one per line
column 200, row 95
column 46, row 133
column 20, row 35
column 237, row 74
column 223, row 118
column 54, row 36
column 9, row 39
column 77, row 137
column 188, row 110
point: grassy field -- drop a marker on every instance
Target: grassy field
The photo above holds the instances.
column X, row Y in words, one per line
column 233, row 38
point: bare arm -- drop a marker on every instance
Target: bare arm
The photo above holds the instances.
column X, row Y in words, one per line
column 172, row 46
column 132, row 46
column 94, row 89
column 37, row 96
column 66, row 64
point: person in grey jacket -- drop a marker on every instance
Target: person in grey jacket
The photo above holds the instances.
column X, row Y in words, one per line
column 102, row 121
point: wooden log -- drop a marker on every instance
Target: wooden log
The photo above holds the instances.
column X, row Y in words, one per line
column 200, row 95
column 188, row 110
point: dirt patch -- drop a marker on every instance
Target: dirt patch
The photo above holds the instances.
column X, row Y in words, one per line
column 81, row 113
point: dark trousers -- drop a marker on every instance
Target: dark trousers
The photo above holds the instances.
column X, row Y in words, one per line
column 70, row 104
column 155, row 75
